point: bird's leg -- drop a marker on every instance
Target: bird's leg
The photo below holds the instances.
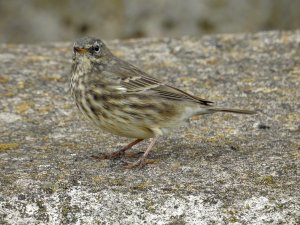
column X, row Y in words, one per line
column 142, row 160
column 118, row 153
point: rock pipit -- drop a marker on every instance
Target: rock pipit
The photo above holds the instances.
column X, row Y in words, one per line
column 123, row 100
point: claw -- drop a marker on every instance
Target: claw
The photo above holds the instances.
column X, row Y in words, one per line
column 140, row 163
column 117, row 154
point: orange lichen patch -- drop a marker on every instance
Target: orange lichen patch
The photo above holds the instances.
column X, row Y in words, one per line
column 216, row 138
column 53, row 77
column 63, row 49
column 266, row 90
column 289, row 120
column 248, row 79
column 8, row 146
column 11, row 45
column 45, row 109
column 118, row 53
column 10, row 94
column 3, row 79
column 169, row 64
column 36, row 58
column 98, row 179
column 212, row 61
column 188, row 80
column 23, row 107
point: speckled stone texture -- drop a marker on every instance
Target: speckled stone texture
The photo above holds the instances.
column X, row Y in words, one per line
column 220, row 169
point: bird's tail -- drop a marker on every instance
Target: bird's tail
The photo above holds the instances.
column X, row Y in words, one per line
column 240, row 111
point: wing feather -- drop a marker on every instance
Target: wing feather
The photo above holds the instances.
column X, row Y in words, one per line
column 137, row 81
column 152, row 86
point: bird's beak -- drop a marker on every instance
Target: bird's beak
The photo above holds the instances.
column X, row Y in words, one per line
column 80, row 50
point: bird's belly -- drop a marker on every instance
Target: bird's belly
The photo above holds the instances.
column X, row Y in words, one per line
column 132, row 117
column 122, row 125
column 125, row 127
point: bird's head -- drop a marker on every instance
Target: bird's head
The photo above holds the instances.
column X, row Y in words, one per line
column 90, row 48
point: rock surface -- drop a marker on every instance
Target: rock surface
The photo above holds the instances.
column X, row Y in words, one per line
column 220, row 169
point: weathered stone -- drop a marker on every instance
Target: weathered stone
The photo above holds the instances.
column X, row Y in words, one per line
column 220, row 169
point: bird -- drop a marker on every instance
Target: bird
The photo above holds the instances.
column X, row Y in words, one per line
column 122, row 99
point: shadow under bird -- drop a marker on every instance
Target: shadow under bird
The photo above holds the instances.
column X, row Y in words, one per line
column 123, row 100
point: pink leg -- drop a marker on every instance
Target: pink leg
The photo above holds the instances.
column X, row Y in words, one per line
column 119, row 153
column 142, row 160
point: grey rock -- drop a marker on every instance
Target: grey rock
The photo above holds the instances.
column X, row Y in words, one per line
column 220, row 169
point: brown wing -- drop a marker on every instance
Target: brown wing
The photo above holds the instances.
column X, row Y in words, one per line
column 139, row 81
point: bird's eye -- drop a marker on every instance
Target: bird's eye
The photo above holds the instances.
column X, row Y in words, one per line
column 96, row 48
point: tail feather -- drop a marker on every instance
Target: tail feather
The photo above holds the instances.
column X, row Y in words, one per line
column 240, row 111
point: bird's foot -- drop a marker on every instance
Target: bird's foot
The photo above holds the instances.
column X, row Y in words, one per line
column 117, row 154
column 140, row 163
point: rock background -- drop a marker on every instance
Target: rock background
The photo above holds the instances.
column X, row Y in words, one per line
column 220, row 169
column 43, row 21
